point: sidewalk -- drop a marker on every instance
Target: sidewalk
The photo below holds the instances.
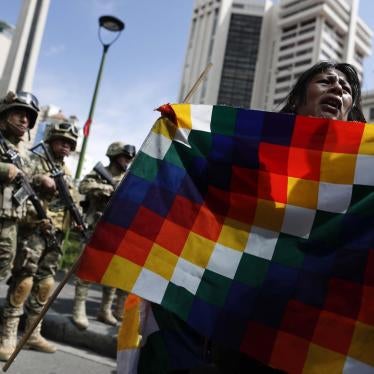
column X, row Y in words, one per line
column 57, row 325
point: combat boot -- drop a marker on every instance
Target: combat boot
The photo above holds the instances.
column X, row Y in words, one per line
column 36, row 341
column 79, row 314
column 8, row 337
column 119, row 305
column 105, row 314
column 79, row 308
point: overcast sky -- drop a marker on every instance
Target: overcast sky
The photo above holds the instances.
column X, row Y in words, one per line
column 143, row 68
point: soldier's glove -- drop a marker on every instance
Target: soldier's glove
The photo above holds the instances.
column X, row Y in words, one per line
column 77, row 227
column 98, row 215
column 13, row 171
column 105, row 190
column 46, row 226
column 47, row 184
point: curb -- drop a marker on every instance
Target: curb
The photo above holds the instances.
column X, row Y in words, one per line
column 99, row 339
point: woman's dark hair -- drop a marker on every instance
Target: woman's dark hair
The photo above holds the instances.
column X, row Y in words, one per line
column 298, row 92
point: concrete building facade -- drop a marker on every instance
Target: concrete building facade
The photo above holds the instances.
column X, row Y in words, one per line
column 6, row 33
column 226, row 33
column 309, row 31
column 259, row 49
column 19, row 69
column 368, row 106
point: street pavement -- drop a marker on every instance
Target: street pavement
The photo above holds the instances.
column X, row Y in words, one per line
column 99, row 338
column 67, row 359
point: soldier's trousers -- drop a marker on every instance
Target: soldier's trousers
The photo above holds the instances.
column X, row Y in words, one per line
column 33, row 273
column 82, row 286
column 8, row 245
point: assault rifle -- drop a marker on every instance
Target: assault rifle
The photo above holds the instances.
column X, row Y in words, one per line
column 104, row 173
column 62, row 188
column 25, row 190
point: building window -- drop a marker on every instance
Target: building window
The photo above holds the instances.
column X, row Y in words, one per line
column 285, row 67
column 371, row 114
column 289, row 28
column 304, row 51
column 287, row 46
column 306, row 30
column 278, row 101
column 283, row 79
column 308, row 22
column 285, row 57
column 288, row 36
column 303, row 62
column 304, row 41
column 282, row 89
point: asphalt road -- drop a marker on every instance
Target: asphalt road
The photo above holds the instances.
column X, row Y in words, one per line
column 67, row 360
column 78, row 352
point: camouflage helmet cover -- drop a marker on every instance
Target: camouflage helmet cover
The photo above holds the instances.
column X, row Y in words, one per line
column 21, row 100
column 62, row 130
column 119, row 148
column 115, row 149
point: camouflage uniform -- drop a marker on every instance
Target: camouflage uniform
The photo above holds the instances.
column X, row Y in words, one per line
column 10, row 213
column 18, row 113
column 98, row 192
column 37, row 257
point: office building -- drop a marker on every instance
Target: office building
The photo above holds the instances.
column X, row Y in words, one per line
column 259, row 49
column 226, row 33
column 368, row 105
column 19, row 68
column 6, row 33
column 309, row 31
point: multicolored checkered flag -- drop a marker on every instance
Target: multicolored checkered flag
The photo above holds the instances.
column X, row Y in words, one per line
column 255, row 228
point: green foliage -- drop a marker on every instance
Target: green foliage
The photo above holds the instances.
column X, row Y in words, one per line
column 71, row 249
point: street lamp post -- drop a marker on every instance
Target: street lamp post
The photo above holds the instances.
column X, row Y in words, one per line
column 114, row 25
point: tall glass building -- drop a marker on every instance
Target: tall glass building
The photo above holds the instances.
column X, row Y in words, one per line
column 227, row 34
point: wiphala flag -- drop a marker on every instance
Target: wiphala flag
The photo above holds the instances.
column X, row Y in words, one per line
column 255, row 228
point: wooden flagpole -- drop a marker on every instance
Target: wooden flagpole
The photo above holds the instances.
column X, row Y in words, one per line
column 197, row 83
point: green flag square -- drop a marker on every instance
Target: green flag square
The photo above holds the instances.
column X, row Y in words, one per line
column 223, row 120
column 252, row 270
column 145, row 167
column 287, row 251
column 213, row 288
column 178, row 300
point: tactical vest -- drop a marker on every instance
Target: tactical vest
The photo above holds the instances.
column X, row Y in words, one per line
column 55, row 208
column 8, row 207
column 96, row 190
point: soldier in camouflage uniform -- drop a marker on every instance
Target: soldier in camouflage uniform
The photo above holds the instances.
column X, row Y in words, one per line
column 37, row 257
column 18, row 114
column 98, row 192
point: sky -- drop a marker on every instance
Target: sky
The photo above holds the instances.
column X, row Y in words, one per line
column 142, row 71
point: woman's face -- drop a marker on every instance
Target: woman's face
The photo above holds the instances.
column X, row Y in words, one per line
column 328, row 95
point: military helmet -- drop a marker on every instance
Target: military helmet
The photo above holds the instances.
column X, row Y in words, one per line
column 64, row 130
column 23, row 100
column 130, row 151
column 119, row 148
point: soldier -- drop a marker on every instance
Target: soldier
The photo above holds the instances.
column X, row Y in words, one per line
column 37, row 258
column 18, row 114
column 98, row 191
